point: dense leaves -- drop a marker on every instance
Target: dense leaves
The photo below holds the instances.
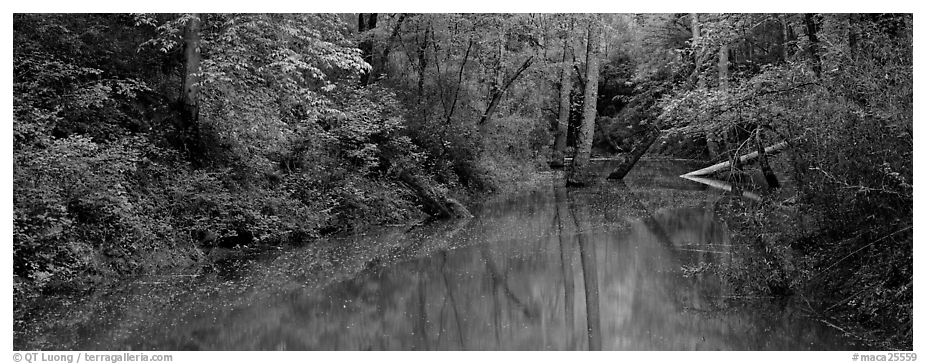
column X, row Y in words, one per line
column 286, row 146
column 114, row 175
column 840, row 92
column 145, row 141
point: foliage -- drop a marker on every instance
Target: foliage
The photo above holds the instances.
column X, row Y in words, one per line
column 308, row 126
column 101, row 189
column 287, row 146
column 844, row 104
column 441, row 67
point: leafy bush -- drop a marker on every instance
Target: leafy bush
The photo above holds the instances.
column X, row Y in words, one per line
column 77, row 211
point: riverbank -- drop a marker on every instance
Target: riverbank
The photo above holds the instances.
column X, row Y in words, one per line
column 328, row 257
column 510, row 278
column 790, row 248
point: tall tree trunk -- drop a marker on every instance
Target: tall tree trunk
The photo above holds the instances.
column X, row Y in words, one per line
column 723, row 67
column 422, row 61
column 500, row 63
column 723, row 75
column 380, row 67
column 580, row 174
column 562, row 125
column 814, row 50
column 366, row 23
column 580, row 76
column 189, row 96
column 695, row 77
column 784, row 37
column 192, row 58
column 456, row 94
column 713, row 147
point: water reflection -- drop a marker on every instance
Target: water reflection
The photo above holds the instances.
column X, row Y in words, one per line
column 598, row 268
column 723, row 185
column 578, row 212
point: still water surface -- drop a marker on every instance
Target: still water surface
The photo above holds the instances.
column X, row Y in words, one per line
column 612, row 267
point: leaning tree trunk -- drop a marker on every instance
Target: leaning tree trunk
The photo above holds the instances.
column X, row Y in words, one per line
column 499, row 92
column 580, row 173
column 635, row 154
column 742, row 159
column 562, row 126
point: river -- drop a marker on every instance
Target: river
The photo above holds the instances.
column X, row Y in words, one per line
column 619, row 266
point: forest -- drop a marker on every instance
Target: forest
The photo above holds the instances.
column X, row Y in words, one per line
column 153, row 143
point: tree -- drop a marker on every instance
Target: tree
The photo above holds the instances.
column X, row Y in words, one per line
column 723, row 66
column 498, row 92
column 782, row 18
column 811, row 28
column 562, row 125
column 422, row 53
column 723, row 80
column 696, row 45
column 501, row 79
column 713, row 149
column 580, row 173
column 380, row 67
column 366, row 23
column 189, row 96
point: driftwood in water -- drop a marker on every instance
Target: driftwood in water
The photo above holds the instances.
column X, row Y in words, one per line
column 634, row 156
column 743, row 158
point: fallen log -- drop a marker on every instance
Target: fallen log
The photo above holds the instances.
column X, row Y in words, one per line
column 436, row 202
column 742, row 159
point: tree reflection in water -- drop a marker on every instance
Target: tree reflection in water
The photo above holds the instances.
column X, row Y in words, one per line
column 507, row 279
